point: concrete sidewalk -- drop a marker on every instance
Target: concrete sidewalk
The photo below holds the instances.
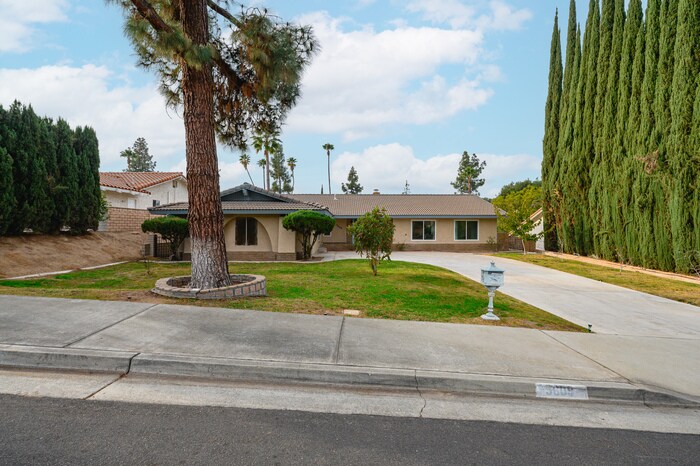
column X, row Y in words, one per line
column 188, row 341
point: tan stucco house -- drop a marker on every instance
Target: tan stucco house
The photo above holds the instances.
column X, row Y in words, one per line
column 424, row 222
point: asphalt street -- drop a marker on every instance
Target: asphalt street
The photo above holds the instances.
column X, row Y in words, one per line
column 59, row 431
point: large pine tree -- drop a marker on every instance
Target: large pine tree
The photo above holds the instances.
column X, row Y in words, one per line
column 550, row 160
column 231, row 74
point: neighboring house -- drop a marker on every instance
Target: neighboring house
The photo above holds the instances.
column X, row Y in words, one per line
column 130, row 194
column 424, row 222
column 537, row 218
column 141, row 190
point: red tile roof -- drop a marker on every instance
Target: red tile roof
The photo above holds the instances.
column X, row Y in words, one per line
column 136, row 181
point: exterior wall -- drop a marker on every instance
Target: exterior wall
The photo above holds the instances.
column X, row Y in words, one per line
column 274, row 242
column 444, row 236
column 115, row 199
column 165, row 193
column 339, row 233
column 539, row 244
column 123, row 219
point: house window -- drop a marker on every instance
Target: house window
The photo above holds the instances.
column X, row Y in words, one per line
column 246, row 231
column 156, row 203
column 423, row 230
column 466, row 230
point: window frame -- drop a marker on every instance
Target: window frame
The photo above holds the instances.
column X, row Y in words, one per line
column 235, row 229
column 466, row 229
column 423, row 221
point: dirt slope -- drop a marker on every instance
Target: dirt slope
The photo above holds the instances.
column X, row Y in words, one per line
column 31, row 254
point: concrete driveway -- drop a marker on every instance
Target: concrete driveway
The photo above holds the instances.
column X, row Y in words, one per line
column 608, row 308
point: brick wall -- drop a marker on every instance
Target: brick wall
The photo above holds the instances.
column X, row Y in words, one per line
column 123, row 219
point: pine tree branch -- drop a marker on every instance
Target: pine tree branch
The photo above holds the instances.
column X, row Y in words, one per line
column 149, row 13
column 223, row 12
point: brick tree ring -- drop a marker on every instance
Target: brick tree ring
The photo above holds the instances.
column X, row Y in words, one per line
column 242, row 286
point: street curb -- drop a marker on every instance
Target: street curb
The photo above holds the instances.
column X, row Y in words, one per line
column 36, row 357
column 226, row 369
column 483, row 384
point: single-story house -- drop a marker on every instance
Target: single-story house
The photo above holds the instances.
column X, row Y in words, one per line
column 141, row 190
column 424, row 222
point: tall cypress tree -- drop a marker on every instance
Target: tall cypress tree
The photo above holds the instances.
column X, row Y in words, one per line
column 602, row 65
column 643, row 218
column 66, row 190
column 550, row 160
column 631, row 75
column 660, row 184
column 566, row 123
column 680, row 150
column 88, row 164
column 7, row 195
column 602, row 199
column 583, row 143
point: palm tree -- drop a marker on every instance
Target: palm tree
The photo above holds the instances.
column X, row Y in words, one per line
column 245, row 161
column 292, row 164
column 262, row 163
column 328, row 147
column 269, row 143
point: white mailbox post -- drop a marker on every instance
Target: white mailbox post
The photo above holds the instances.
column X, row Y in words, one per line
column 492, row 279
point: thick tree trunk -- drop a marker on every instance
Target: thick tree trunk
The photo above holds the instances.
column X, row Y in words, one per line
column 267, row 170
column 206, row 218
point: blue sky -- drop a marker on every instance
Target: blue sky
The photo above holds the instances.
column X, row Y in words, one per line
column 400, row 88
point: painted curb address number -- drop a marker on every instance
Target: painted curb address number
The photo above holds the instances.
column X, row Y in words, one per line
column 551, row 390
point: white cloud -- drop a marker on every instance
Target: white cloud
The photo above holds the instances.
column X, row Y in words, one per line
column 457, row 14
column 17, row 18
column 88, row 95
column 388, row 166
column 452, row 12
column 363, row 79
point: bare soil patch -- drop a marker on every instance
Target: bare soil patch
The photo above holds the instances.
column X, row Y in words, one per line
column 30, row 254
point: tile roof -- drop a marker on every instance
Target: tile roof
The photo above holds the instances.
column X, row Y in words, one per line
column 403, row 205
column 136, row 181
column 350, row 205
column 242, row 206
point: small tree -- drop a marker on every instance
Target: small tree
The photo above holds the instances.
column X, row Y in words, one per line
column 373, row 235
column 353, row 186
column 172, row 229
column 310, row 225
column 137, row 157
column 470, row 168
column 518, row 207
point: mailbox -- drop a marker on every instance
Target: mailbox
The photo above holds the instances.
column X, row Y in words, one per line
column 492, row 276
column 492, row 279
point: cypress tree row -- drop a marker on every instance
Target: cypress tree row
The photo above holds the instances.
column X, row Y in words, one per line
column 550, row 160
column 622, row 181
column 44, row 184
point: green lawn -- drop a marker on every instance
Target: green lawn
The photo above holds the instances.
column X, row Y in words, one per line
column 402, row 290
column 664, row 287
